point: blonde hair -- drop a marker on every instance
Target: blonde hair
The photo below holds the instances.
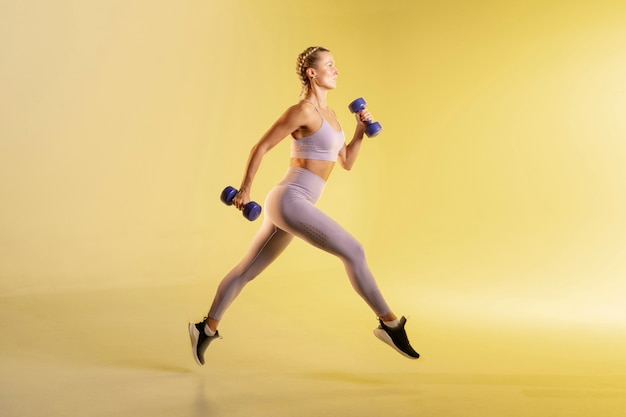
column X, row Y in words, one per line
column 307, row 59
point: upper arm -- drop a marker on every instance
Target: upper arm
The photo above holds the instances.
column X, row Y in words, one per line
column 291, row 120
column 342, row 157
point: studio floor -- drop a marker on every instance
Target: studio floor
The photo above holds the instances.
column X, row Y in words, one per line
column 126, row 352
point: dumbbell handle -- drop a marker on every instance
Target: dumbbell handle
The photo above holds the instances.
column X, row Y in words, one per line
column 251, row 210
column 373, row 128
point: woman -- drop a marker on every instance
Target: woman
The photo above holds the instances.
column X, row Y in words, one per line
column 317, row 144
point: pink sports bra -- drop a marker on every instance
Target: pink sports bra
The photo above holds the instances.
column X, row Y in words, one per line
column 323, row 145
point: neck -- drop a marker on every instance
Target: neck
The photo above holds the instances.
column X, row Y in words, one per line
column 318, row 97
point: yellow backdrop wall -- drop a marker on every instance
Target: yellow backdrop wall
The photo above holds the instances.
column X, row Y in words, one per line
column 496, row 188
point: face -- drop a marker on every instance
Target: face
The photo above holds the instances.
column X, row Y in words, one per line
column 325, row 72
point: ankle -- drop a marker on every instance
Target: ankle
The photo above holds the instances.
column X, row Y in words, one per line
column 211, row 324
column 208, row 331
column 392, row 323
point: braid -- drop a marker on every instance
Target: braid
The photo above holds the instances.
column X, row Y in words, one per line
column 306, row 60
column 301, row 67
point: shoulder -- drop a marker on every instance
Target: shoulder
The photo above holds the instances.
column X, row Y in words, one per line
column 301, row 114
column 303, row 108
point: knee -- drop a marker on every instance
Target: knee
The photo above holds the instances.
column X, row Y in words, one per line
column 238, row 277
column 356, row 252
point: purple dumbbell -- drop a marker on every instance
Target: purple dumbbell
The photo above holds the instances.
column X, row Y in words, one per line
column 373, row 128
column 251, row 211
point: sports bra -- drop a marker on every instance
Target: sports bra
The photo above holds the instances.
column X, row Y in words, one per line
column 323, row 145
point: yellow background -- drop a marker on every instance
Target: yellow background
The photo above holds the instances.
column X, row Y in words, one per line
column 491, row 206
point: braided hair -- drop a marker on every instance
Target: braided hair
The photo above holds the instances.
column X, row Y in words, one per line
column 307, row 59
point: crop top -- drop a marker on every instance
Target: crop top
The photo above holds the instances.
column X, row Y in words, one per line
column 323, row 145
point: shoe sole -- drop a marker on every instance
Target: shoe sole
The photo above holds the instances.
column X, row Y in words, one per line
column 194, row 335
column 383, row 336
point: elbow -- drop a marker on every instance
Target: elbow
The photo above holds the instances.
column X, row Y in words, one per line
column 347, row 165
column 258, row 150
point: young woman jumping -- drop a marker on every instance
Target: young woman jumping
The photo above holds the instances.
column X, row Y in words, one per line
column 317, row 144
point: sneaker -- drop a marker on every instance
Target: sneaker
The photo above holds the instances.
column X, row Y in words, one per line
column 396, row 338
column 200, row 341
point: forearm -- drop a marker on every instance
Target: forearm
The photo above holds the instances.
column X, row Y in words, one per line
column 252, row 166
column 353, row 148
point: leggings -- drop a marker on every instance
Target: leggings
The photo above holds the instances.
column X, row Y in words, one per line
column 290, row 211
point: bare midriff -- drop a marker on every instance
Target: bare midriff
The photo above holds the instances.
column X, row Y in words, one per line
column 320, row 168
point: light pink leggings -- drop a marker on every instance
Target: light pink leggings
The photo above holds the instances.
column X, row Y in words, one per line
column 290, row 211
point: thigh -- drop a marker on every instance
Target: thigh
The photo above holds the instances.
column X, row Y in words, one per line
column 269, row 242
column 293, row 212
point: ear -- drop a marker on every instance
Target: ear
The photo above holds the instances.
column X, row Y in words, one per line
column 310, row 72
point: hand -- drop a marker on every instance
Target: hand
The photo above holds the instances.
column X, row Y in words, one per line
column 241, row 199
column 362, row 117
